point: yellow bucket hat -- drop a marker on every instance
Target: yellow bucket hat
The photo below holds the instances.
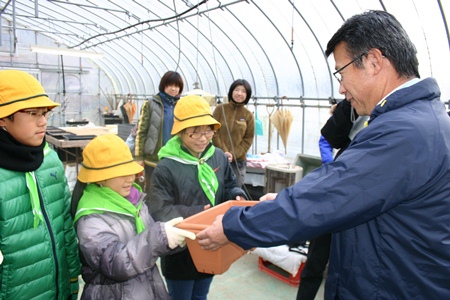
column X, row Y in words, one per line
column 20, row 90
column 107, row 156
column 192, row 111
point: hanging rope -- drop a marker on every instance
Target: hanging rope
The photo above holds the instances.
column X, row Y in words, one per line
column 212, row 46
column 142, row 48
column 197, row 79
column 179, row 38
column 292, row 28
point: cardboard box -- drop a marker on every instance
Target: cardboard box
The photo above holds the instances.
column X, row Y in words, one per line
column 208, row 261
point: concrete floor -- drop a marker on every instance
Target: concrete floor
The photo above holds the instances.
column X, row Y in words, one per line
column 244, row 280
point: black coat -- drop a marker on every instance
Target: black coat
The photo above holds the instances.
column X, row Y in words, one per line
column 338, row 126
column 176, row 192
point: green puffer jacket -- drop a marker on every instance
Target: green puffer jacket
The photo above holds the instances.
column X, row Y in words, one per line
column 39, row 263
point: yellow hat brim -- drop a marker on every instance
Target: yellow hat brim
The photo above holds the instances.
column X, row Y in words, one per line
column 35, row 102
column 194, row 122
column 131, row 168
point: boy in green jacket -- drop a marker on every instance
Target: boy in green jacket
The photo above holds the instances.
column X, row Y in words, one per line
column 37, row 238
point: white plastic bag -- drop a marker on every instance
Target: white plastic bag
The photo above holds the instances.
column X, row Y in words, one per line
column 71, row 174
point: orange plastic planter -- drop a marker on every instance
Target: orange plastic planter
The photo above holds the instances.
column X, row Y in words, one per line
column 207, row 261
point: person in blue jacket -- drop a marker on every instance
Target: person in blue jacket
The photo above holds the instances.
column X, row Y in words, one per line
column 326, row 151
column 338, row 132
column 386, row 199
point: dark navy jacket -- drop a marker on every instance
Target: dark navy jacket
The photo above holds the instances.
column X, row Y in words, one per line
column 386, row 199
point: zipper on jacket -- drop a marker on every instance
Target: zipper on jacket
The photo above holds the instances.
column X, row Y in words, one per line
column 162, row 125
column 44, row 214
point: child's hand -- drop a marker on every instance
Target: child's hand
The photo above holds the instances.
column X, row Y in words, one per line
column 230, row 156
column 175, row 236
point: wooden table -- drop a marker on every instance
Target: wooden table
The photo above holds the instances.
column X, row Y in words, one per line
column 75, row 147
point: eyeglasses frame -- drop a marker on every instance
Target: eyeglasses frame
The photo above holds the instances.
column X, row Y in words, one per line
column 345, row 66
column 201, row 134
column 36, row 115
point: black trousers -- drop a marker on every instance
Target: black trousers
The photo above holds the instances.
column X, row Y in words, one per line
column 313, row 271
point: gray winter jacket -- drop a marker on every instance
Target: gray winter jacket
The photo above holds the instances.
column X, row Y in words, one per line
column 117, row 262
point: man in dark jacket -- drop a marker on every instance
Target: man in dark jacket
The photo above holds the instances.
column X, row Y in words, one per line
column 386, row 199
column 338, row 131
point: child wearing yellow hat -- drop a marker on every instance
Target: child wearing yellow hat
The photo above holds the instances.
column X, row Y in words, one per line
column 192, row 175
column 37, row 238
column 119, row 241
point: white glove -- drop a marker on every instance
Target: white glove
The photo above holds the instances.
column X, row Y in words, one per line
column 175, row 236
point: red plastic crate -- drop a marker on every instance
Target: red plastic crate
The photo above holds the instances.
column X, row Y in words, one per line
column 277, row 272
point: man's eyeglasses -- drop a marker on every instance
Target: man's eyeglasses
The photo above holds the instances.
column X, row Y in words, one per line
column 36, row 114
column 196, row 135
column 338, row 75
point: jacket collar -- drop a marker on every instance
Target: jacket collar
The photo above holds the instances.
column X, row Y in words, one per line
column 236, row 105
column 425, row 90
